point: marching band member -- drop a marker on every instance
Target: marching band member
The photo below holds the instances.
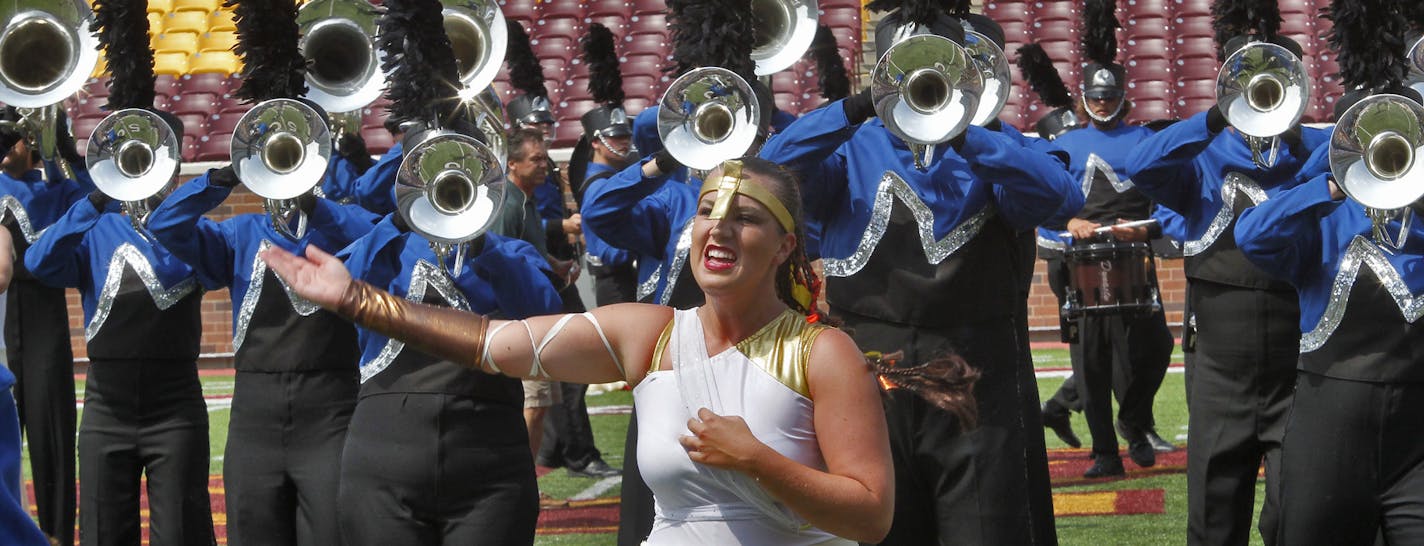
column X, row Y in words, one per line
column 1245, row 320
column 937, row 306
column 1352, row 453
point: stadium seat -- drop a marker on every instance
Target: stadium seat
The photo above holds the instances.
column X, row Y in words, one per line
column 1154, row 46
column 155, row 22
column 1196, row 68
column 195, row 22
column 561, row 47
column 219, row 62
column 195, row 103
column 616, row 22
column 523, row 10
column 645, row 42
column 1148, row 68
column 1191, row 8
column 1144, row 110
column 378, row 140
column 788, row 102
column 171, row 63
column 166, row 84
column 567, row 132
column 84, row 127
column 223, row 122
column 222, row 40
column 214, row 147
column 160, row 6
column 194, row 123
column 840, row 17
column 1049, row 10
column 209, row 82
column 180, row 42
column 1161, row 7
column 564, row 9
column 642, row 7
column 648, row 22
column 567, row 27
column 221, row 20
column 635, row 105
column 205, row 6
column 1196, row 26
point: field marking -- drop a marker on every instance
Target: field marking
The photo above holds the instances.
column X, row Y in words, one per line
column 599, row 488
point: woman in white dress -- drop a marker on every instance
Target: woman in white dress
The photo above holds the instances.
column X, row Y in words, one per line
column 767, row 427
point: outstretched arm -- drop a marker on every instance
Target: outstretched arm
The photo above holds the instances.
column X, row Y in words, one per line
column 609, row 344
column 854, row 497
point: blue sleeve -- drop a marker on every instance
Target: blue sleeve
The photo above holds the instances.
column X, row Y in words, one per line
column 625, row 212
column 57, row 257
column 521, row 279
column 361, row 255
column 1163, row 166
column 340, row 180
column 781, row 119
column 1029, row 186
column 82, row 179
column 809, row 140
column 645, row 132
column 375, row 187
column 1174, row 226
column 178, row 225
column 1282, row 235
column 342, row 224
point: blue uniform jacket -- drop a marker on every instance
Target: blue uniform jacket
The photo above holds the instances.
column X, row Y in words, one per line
column 86, row 247
column 224, row 254
column 846, row 169
column 376, row 188
column 1303, row 236
column 340, row 181
column 1186, row 168
column 599, row 251
column 650, row 218
column 506, row 279
column 35, row 203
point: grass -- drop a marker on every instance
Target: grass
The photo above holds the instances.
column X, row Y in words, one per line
column 609, row 431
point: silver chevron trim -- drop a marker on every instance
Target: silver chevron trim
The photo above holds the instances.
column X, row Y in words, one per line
column 647, row 287
column 302, row 306
column 129, row 256
column 1051, row 244
column 1235, row 182
column 425, row 275
column 1361, row 251
column 891, row 187
column 10, row 206
column 679, row 260
column 1097, row 165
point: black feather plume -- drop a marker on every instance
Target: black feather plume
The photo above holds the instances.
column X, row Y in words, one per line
column 1414, row 14
column 605, row 80
column 1231, row 18
column 834, row 82
column 1368, row 37
column 712, row 33
column 1100, row 26
column 920, row 12
column 419, row 63
column 1038, row 70
column 267, row 41
column 121, row 26
column 525, row 74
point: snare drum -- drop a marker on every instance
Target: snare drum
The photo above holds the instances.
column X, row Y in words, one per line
column 1110, row 278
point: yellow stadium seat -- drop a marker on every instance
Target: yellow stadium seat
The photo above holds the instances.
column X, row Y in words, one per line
column 221, row 62
column 155, row 23
column 221, row 20
column 160, row 6
column 204, row 6
column 195, row 22
column 217, row 41
column 181, row 42
column 170, row 63
column 100, row 68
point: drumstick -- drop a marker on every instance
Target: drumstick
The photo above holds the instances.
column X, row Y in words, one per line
column 1105, row 229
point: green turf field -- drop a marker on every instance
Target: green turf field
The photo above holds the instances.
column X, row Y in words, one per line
column 609, row 430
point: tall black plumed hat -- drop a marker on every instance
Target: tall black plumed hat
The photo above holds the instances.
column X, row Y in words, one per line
column 830, row 68
column 121, row 27
column 1103, row 77
column 940, row 17
column 419, row 64
column 268, row 41
column 1238, row 22
column 711, row 33
column 605, row 85
column 1037, row 69
column 526, row 75
column 1370, row 47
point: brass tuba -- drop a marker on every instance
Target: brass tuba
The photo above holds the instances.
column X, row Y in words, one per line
column 994, row 72
column 446, row 191
column 487, row 113
column 707, row 116
column 280, row 150
column 1262, row 90
column 1374, row 150
column 46, row 54
column 343, row 63
column 478, row 37
column 133, row 155
column 926, row 90
column 784, row 31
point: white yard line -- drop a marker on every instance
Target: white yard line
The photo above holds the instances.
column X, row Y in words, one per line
column 597, row 489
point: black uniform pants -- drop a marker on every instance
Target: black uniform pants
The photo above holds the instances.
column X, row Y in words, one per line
column 144, row 418
column 37, row 347
column 1244, row 370
column 1353, row 463
column 281, row 470
column 635, row 503
column 986, row 486
column 617, row 284
column 1130, row 352
column 436, row 469
column 568, row 434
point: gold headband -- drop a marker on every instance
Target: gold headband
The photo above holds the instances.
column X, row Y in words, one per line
column 730, row 184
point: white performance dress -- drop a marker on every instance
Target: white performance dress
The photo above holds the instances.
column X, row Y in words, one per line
column 762, row 380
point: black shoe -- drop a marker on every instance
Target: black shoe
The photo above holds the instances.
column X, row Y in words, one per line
column 1105, row 466
column 596, row 469
column 549, row 463
column 1061, row 426
column 1138, row 446
column 1159, row 444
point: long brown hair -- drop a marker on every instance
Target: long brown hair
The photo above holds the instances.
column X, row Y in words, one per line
column 797, row 267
